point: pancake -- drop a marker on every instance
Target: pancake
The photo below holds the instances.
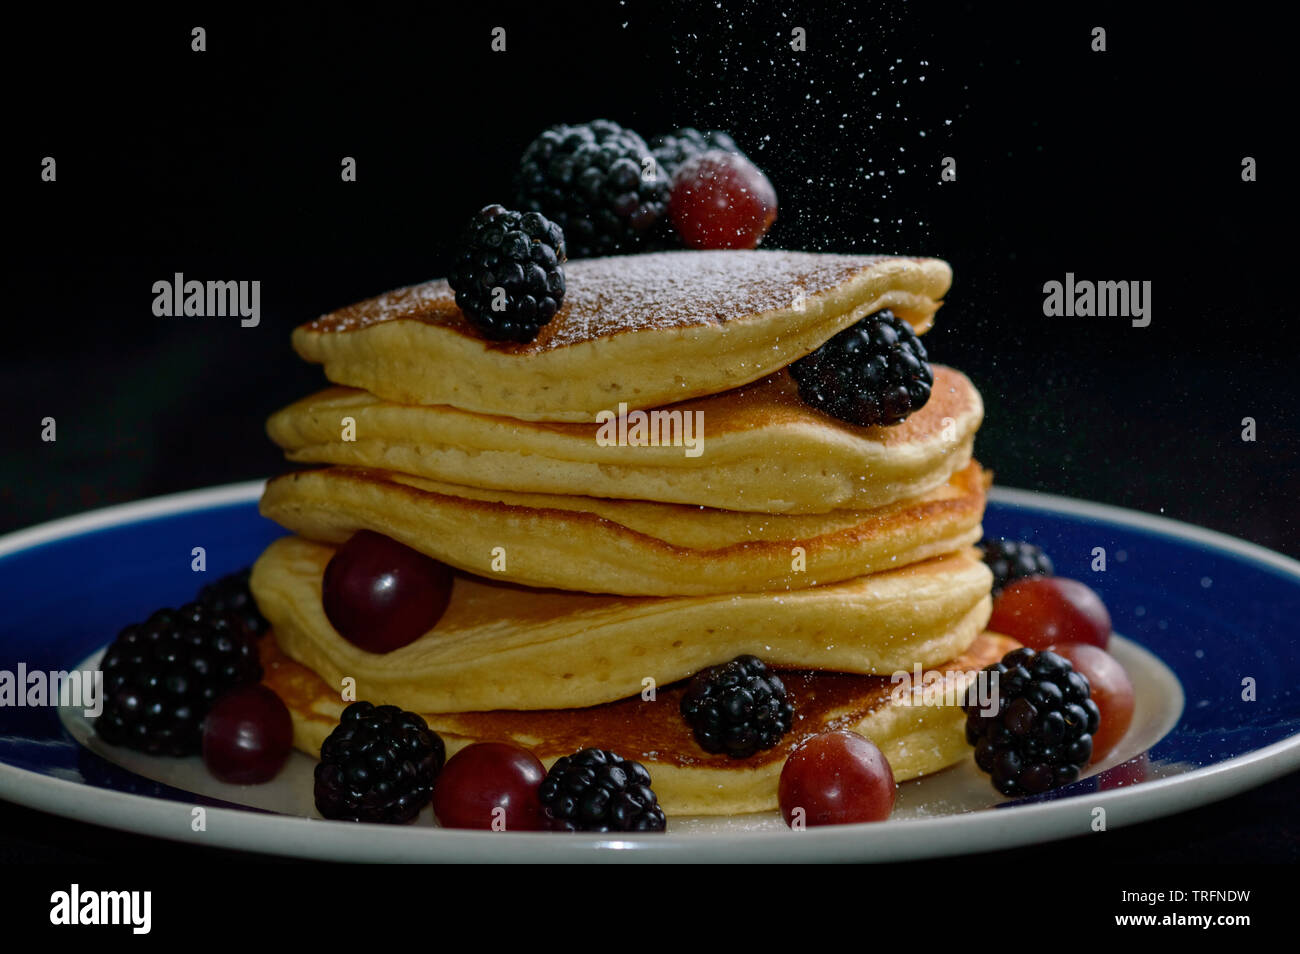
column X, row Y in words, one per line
column 502, row 646
column 763, row 449
column 917, row 739
column 627, row 547
column 643, row 329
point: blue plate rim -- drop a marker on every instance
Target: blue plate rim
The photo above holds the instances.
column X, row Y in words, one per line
column 911, row 838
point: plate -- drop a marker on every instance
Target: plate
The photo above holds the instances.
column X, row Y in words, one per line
column 1209, row 626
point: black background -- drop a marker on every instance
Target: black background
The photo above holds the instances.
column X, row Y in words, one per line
column 1122, row 165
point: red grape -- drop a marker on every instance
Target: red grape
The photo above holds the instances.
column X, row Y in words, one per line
column 1112, row 690
column 837, row 778
column 1042, row 610
column 381, row 595
column 721, row 200
column 247, row 736
column 487, row 776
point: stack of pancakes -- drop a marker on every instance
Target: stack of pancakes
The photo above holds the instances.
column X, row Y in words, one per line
column 594, row 576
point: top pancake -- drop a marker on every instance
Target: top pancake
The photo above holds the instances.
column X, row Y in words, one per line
column 647, row 330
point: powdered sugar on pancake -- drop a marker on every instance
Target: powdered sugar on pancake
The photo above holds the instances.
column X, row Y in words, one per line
column 610, row 296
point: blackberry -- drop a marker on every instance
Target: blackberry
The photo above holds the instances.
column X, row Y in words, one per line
column 1041, row 735
column 231, row 595
column 1012, row 560
column 163, row 675
column 672, row 149
column 588, row 180
column 874, row 372
column 508, row 274
column 738, row 707
column 596, row 790
column 378, row 765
